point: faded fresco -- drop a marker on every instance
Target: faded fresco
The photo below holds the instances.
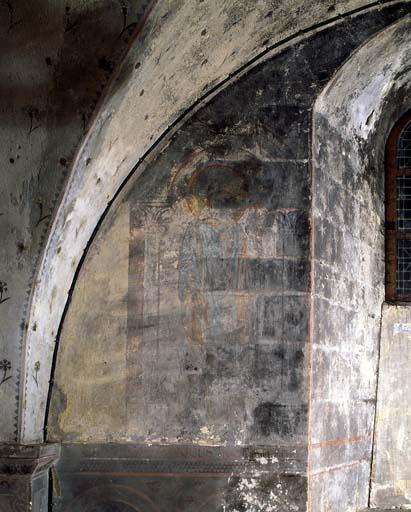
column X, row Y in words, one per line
column 202, row 337
column 214, row 278
column 202, row 319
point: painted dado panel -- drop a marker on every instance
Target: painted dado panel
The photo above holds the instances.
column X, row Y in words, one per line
column 126, row 478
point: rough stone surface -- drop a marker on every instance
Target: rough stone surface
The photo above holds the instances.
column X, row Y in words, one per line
column 352, row 121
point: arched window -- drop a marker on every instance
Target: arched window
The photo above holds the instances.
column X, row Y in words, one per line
column 398, row 211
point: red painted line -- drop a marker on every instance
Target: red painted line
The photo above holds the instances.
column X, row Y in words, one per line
column 335, row 468
column 338, row 442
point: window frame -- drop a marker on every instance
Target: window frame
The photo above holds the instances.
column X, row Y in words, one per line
column 392, row 234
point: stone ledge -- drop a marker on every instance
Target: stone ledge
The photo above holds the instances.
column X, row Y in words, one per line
column 28, row 460
column 126, row 458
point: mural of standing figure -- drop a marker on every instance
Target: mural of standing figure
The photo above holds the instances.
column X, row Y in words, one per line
column 212, row 287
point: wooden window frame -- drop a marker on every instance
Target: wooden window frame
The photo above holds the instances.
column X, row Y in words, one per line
column 391, row 232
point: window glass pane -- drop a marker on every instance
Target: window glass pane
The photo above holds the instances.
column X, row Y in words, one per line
column 404, row 148
column 404, row 267
column 404, row 204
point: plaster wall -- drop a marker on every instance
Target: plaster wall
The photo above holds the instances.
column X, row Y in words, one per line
column 94, row 364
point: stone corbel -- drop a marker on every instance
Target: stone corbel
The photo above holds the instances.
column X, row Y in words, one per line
column 24, row 476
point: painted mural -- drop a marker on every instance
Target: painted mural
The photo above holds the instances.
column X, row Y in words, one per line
column 189, row 320
column 182, row 370
column 212, row 272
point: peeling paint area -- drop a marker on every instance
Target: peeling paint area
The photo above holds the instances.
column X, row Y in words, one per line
column 262, row 493
column 179, row 477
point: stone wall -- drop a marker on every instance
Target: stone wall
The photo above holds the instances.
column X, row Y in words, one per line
column 352, row 122
column 348, row 293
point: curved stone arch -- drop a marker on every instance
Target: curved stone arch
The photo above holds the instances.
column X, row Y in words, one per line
column 105, row 159
column 351, row 122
